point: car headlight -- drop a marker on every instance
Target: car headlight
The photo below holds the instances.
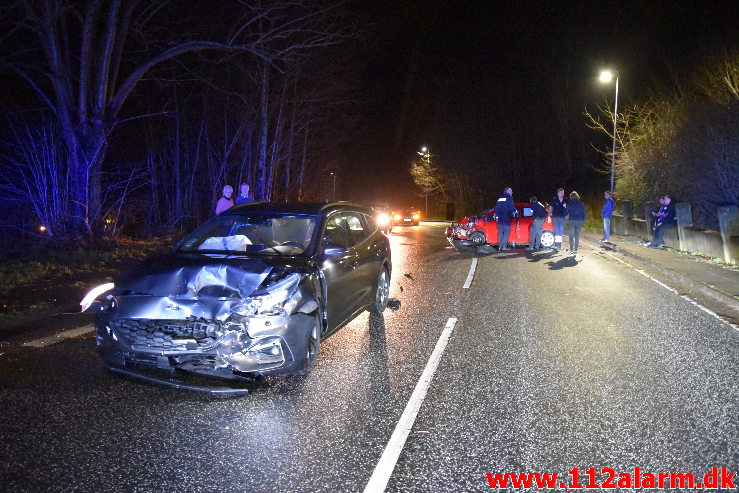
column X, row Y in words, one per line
column 94, row 293
column 266, row 351
column 383, row 219
column 272, row 302
column 416, row 216
column 398, row 217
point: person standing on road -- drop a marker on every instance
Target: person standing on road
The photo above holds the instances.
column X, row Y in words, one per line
column 225, row 202
column 558, row 210
column 576, row 211
column 608, row 207
column 504, row 211
column 539, row 213
column 244, row 195
column 666, row 217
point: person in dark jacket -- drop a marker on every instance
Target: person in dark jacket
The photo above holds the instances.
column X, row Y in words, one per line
column 666, row 217
column 558, row 210
column 504, row 211
column 539, row 213
column 608, row 207
column 244, row 195
column 576, row 211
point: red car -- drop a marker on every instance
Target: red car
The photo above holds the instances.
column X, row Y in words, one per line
column 482, row 228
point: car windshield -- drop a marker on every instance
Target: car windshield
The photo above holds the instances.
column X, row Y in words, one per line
column 259, row 234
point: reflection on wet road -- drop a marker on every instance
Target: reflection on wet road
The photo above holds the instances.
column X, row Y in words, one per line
column 548, row 368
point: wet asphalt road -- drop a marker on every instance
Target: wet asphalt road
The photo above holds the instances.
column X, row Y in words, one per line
column 554, row 363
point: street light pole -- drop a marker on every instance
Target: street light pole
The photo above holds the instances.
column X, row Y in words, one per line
column 333, row 196
column 606, row 76
column 427, row 157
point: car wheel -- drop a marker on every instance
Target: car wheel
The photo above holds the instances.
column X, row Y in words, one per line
column 382, row 293
column 313, row 345
column 478, row 239
column 547, row 239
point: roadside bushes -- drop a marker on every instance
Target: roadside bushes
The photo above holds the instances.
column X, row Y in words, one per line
column 682, row 141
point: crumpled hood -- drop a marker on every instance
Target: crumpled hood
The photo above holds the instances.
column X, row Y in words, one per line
column 191, row 276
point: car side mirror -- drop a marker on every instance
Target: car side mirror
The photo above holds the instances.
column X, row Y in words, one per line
column 333, row 250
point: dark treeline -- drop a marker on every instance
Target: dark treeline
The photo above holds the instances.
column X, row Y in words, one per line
column 130, row 116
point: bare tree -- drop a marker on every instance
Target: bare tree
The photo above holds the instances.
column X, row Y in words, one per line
column 681, row 141
column 85, row 75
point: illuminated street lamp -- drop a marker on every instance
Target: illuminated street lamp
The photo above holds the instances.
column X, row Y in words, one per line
column 607, row 76
column 333, row 196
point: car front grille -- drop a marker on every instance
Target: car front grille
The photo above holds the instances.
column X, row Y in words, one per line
column 166, row 335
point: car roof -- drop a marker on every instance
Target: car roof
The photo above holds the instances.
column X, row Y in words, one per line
column 311, row 208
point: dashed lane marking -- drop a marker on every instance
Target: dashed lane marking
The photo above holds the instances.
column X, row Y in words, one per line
column 384, row 469
column 471, row 275
column 60, row 336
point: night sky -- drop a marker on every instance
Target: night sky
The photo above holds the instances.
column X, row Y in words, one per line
column 497, row 89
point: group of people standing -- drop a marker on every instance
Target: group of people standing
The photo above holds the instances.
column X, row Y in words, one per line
column 559, row 208
column 226, row 202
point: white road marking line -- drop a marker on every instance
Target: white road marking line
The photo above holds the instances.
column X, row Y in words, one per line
column 384, row 469
column 685, row 297
column 60, row 336
column 471, row 275
column 709, row 311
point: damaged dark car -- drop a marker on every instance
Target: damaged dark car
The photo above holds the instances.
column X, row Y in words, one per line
column 250, row 293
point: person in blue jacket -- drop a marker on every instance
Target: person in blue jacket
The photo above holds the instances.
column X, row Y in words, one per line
column 608, row 207
column 504, row 211
column 576, row 211
column 558, row 210
column 539, row 214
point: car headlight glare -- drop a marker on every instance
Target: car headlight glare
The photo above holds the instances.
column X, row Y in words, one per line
column 383, row 219
column 93, row 294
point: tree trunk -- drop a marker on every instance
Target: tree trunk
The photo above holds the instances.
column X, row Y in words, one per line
column 262, row 190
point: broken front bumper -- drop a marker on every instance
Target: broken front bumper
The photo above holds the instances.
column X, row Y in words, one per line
column 458, row 242
column 201, row 337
